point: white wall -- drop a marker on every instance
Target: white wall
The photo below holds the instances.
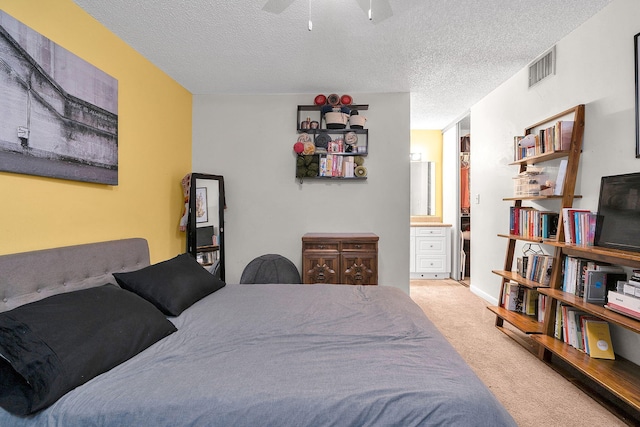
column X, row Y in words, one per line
column 249, row 140
column 595, row 67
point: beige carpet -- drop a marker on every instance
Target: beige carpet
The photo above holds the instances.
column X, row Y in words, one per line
column 532, row 392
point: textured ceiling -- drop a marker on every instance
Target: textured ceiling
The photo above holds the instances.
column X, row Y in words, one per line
column 447, row 53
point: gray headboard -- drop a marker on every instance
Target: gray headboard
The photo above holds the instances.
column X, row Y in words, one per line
column 31, row 276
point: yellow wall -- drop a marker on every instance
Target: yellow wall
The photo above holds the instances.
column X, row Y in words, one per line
column 429, row 143
column 154, row 150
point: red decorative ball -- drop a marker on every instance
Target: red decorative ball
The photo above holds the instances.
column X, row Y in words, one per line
column 298, row 147
column 320, row 100
column 346, row 100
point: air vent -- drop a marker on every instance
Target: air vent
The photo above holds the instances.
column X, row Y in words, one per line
column 542, row 67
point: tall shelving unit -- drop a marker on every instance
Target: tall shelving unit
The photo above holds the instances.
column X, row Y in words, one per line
column 524, row 323
column 614, row 383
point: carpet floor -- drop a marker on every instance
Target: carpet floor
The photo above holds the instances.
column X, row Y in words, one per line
column 532, row 392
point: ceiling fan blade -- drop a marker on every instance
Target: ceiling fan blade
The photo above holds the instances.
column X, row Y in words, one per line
column 277, row 6
column 380, row 9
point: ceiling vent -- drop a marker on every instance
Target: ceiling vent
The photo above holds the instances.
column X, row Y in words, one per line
column 542, row 67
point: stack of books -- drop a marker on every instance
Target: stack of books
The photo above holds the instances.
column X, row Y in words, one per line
column 626, row 299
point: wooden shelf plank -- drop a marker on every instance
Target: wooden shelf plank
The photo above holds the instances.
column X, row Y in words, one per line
column 613, row 256
column 512, row 275
column 596, row 310
column 538, row 197
column 541, row 158
column 524, row 323
column 620, row 377
column 525, row 239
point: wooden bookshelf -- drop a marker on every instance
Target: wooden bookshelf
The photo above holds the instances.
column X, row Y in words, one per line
column 615, row 383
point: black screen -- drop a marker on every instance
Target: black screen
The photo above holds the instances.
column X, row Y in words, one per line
column 618, row 224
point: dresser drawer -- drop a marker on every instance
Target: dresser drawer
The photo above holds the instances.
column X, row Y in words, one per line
column 431, row 264
column 430, row 231
column 427, row 246
column 321, row 246
column 359, row 246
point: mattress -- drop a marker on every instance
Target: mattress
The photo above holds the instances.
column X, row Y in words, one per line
column 287, row 355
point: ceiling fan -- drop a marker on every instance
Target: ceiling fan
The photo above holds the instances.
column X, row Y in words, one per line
column 377, row 10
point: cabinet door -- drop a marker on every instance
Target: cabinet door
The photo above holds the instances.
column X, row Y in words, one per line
column 320, row 267
column 359, row 268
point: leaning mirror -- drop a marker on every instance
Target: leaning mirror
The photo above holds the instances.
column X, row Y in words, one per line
column 205, row 227
column 423, row 188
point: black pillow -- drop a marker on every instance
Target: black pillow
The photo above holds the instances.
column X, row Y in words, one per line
column 173, row 285
column 51, row 346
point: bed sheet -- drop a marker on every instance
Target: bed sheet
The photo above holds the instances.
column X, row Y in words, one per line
column 287, row 355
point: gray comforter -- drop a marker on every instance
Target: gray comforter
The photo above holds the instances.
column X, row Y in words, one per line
column 287, row 355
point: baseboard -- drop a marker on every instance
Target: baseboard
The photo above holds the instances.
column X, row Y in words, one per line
column 485, row 296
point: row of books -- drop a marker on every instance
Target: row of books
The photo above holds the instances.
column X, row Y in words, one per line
column 547, row 140
column 579, row 226
column 532, row 223
column 337, row 165
column 521, row 299
column 535, row 267
column 577, row 271
column 584, row 332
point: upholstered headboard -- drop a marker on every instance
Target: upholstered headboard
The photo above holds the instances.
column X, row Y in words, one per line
column 31, row 276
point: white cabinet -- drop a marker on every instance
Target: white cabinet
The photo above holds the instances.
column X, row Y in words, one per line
column 430, row 252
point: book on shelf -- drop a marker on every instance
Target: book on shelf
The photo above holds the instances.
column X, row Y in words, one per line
column 542, row 306
column 514, row 296
column 562, row 172
column 629, row 302
column 521, row 265
column 599, row 339
column 623, row 310
column 598, row 282
column 549, row 221
column 569, row 224
column 563, row 132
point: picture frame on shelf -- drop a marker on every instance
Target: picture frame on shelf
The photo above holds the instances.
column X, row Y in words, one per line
column 202, row 214
column 636, row 46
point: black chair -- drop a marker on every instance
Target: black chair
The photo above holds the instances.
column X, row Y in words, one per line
column 270, row 268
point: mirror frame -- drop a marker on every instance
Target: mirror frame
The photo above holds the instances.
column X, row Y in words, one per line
column 191, row 240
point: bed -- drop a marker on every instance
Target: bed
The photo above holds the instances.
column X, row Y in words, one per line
column 242, row 355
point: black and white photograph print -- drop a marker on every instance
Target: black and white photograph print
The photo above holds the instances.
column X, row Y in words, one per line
column 59, row 114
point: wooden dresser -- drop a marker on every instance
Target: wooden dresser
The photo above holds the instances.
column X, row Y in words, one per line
column 340, row 258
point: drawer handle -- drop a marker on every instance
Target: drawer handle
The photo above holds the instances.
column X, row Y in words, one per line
column 320, row 246
column 358, row 246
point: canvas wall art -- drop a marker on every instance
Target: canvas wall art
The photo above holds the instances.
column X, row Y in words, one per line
column 59, row 114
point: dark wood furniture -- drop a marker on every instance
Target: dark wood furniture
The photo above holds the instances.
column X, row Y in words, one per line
column 340, row 258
